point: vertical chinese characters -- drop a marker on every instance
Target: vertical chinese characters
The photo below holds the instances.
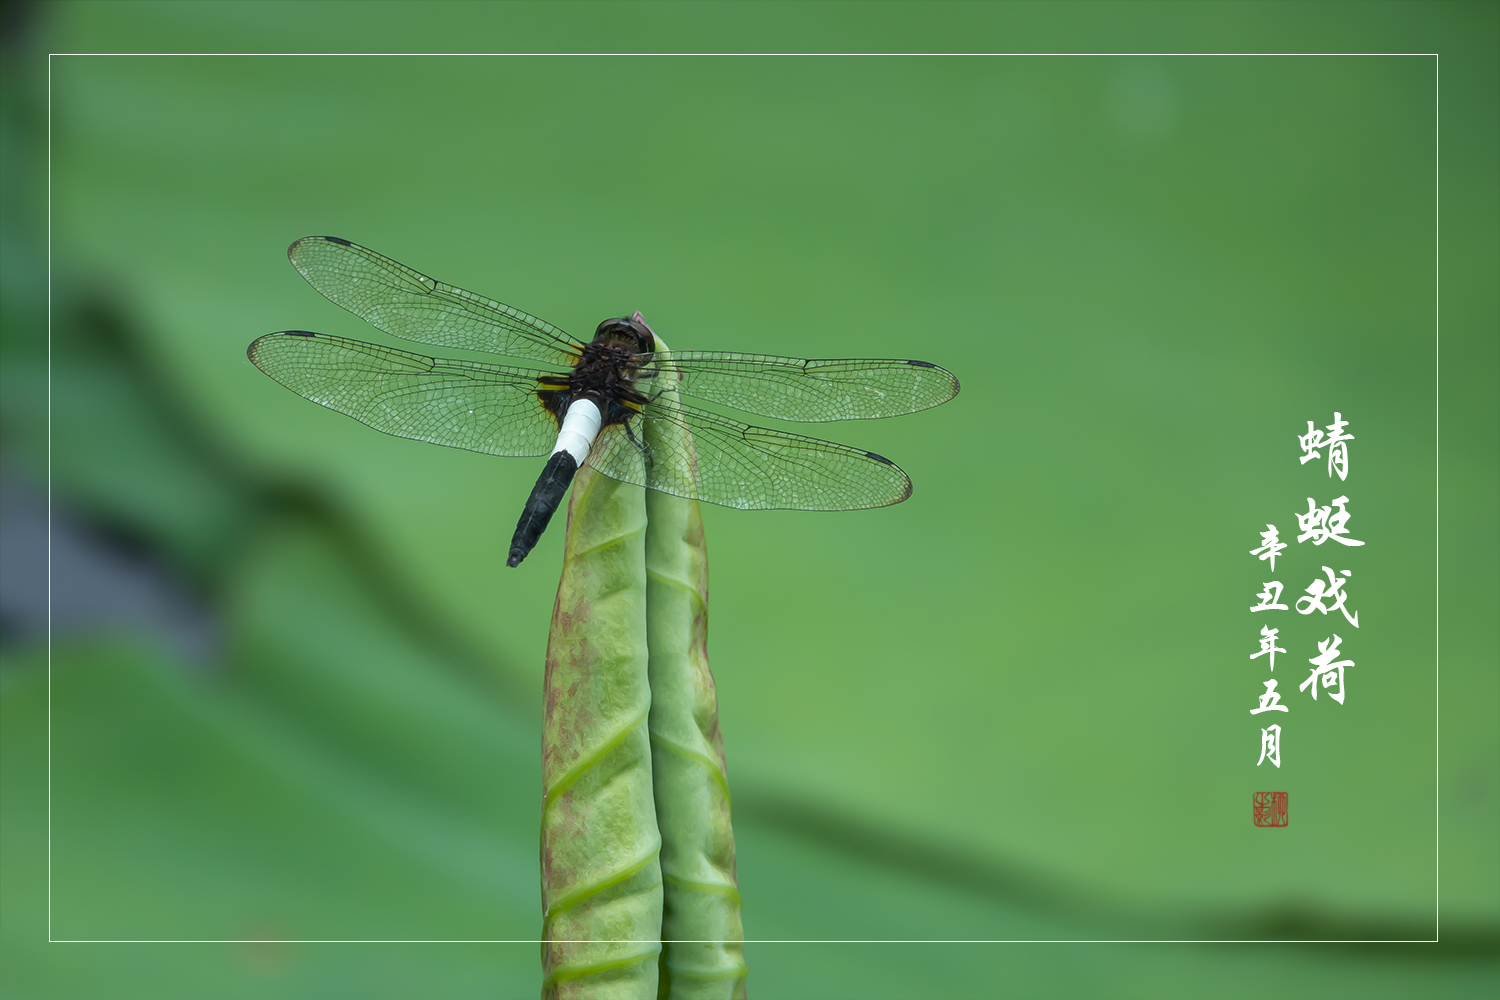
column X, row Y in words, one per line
column 1327, row 593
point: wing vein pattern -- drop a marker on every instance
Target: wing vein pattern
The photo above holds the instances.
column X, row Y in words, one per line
column 492, row 409
column 405, row 303
column 810, row 390
column 706, row 456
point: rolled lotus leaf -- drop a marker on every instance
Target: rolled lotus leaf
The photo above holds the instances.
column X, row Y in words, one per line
column 702, row 951
column 601, row 879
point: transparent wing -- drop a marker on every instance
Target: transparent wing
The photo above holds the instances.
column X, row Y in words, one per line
column 810, row 390
column 407, row 304
column 704, row 456
column 491, row 409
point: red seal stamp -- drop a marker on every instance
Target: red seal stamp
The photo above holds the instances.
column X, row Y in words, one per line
column 1270, row 809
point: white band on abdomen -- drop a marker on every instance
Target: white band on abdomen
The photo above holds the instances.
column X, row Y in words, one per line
column 579, row 428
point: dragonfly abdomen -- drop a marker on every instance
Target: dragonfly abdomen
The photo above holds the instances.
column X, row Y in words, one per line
column 580, row 426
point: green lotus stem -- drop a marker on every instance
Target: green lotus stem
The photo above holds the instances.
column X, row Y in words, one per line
column 601, row 877
column 702, row 954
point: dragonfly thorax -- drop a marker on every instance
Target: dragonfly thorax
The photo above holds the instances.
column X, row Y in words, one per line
column 605, row 372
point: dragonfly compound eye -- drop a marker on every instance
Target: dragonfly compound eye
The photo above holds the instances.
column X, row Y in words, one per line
column 633, row 332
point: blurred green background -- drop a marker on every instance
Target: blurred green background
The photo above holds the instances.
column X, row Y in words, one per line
column 296, row 695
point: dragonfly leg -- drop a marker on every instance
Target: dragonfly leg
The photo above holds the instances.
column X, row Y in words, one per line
column 640, row 446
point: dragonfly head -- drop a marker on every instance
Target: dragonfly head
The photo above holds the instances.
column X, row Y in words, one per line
column 633, row 333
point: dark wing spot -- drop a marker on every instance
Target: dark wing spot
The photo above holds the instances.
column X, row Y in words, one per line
column 298, row 333
column 879, row 458
column 922, row 364
column 335, row 239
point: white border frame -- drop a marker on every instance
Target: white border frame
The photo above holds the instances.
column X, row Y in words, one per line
column 1437, row 483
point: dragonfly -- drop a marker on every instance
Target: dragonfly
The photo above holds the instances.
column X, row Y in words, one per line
column 622, row 403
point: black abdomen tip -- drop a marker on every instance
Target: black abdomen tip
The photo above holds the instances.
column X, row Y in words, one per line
column 542, row 504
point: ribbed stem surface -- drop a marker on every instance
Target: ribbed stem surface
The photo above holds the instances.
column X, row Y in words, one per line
column 701, row 900
column 601, row 878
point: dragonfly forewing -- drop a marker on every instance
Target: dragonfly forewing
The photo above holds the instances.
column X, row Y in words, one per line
column 408, row 304
column 811, row 390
